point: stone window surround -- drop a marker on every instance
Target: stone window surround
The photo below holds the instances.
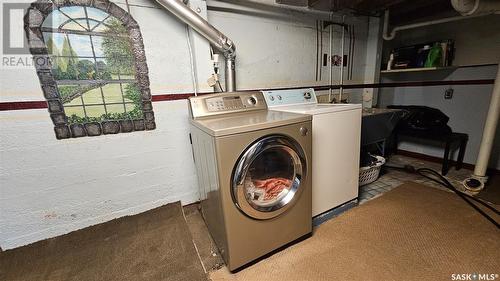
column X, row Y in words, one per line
column 33, row 21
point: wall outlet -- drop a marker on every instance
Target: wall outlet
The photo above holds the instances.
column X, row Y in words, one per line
column 448, row 94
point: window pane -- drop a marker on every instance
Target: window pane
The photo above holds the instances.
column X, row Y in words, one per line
column 115, row 109
column 112, row 46
column 54, row 42
column 130, row 106
column 70, row 94
column 73, row 68
column 97, row 40
column 127, row 72
column 100, row 28
column 134, row 111
column 96, row 14
column 131, row 93
column 93, row 97
column 74, row 12
column 112, row 93
column 103, row 71
column 74, row 110
column 54, row 19
column 64, row 68
column 92, row 24
column 95, row 110
column 115, row 26
column 86, row 69
column 79, row 46
column 75, row 25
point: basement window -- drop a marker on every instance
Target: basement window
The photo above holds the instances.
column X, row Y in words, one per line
column 92, row 68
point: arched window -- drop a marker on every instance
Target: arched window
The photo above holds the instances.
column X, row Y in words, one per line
column 92, row 68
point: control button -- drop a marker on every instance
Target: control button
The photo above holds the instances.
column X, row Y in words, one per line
column 279, row 97
column 252, row 101
column 303, row 131
column 271, row 98
column 307, row 95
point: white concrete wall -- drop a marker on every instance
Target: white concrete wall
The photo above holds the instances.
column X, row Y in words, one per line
column 467, row 109
column 49, row 187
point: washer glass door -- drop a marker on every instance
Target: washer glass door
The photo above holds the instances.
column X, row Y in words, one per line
column 267, row 178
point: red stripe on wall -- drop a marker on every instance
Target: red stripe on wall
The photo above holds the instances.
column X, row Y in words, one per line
column 419, row 84
column 167, row 97
column 18, row 105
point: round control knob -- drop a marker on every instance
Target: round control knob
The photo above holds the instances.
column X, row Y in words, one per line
column 303, row 131
column 279, row 97
column 252, row 101
column 307, row 95
column 271, row 98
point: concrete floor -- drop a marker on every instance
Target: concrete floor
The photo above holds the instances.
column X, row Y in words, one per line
column 388, row 180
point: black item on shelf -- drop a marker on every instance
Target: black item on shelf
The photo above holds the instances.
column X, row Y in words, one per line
column 414, row 56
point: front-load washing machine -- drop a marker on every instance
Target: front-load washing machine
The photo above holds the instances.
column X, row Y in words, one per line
column 336, row 145
column 253, row 168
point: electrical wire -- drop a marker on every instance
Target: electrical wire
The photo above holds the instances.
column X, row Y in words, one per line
column 440, row 179
column 220, row 86
column 191, row 61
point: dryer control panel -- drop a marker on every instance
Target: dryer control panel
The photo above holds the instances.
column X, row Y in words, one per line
column 290, row 97
column 232, row 102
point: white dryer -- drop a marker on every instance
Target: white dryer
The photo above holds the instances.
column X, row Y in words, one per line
column 336, row 145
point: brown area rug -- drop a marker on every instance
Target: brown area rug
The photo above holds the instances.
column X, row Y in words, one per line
column 413, row 232
column 155, row 245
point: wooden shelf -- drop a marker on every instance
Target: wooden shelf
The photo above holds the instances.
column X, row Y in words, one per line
column 424, row 69
column 420, row 69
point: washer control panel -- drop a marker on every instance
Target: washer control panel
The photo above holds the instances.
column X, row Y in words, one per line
column 290, row 97
column 207, row 105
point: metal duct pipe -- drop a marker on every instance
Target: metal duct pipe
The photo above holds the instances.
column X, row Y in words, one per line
column 220, row 41
column 478, row 179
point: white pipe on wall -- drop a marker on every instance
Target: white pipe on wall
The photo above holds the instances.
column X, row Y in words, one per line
column 330, row 62
column 392, row 34
column 478, row 179
column 341, row 90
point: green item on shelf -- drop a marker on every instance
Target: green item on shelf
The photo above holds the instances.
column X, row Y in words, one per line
column 434, row 57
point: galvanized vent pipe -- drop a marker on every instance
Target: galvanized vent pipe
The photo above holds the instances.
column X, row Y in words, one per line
column 205, row 29
column 477, row 180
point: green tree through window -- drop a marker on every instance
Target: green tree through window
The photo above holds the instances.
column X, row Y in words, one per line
column 93, row 65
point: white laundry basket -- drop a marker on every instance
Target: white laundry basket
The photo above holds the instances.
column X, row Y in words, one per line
column 370, row 174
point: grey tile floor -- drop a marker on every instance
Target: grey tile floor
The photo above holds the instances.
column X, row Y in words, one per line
column 393, row 178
